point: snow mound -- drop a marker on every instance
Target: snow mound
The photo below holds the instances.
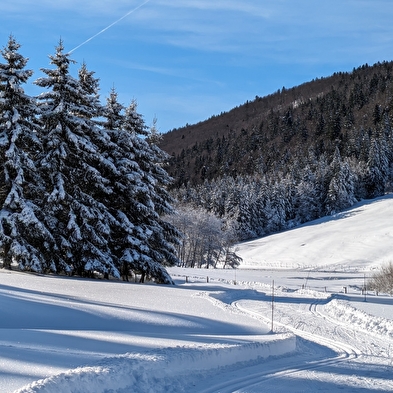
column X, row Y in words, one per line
column 344, row 312
column 166, row 370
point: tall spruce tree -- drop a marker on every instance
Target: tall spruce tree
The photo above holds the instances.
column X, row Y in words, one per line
column 70, row 167
column 24, row 239
column 151, row 159
column 141, row 241
column 340, row 193
column 377, row 167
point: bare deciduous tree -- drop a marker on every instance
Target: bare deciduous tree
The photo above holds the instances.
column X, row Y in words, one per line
column 383, row 280
column 205, row 242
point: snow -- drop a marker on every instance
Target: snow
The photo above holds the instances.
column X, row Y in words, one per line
column 213, row 331
column 368, row 320
column 331, row 243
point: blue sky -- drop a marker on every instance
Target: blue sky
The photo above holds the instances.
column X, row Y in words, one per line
column 186, row 60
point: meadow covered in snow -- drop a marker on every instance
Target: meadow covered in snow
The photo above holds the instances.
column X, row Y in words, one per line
column 215, row 330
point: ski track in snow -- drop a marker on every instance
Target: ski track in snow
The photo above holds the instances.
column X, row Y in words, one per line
column 315, row 325
column 344, row 353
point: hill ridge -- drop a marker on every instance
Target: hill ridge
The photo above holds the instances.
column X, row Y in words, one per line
column 325, row 110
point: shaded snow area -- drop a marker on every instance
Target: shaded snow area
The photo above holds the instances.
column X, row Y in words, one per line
column 292, row 318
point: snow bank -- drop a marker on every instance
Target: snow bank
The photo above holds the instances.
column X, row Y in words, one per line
column 166, row 370
column 344, row 312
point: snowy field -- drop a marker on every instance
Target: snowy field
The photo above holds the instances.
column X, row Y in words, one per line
column 212, row 331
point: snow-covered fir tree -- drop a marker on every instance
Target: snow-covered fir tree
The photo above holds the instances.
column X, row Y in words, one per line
column 141, row 240
column 70, row 166
column 152, row 161
column 24, row 239
column 306, row 203
column 340, row 193
column 377, row 167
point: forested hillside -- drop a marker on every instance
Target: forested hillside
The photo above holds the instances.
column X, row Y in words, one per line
column 290, row 157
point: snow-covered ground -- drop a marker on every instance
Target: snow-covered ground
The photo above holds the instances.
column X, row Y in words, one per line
column 212, row 331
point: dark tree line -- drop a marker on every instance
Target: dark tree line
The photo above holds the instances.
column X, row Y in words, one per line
column 270, row 133
column 83, row 187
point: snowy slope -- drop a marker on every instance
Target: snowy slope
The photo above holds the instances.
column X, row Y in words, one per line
column 212, row 333
column 357, row 239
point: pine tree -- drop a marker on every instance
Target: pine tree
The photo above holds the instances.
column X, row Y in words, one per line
column 307, row 202
column 141, row 241
column 340, row 194
column 152, row 161
column 377, row 167
column 125, row 179
column 70, row 165
column 23, row 236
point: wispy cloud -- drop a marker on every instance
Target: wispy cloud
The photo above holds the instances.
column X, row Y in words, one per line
column 248, row 6
column 203, row 25
column 178, row 72
column 255, row 26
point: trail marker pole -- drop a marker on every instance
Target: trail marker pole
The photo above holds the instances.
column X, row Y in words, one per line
column 272, row 306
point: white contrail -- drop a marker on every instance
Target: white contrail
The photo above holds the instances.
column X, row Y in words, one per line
column 108, row 27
